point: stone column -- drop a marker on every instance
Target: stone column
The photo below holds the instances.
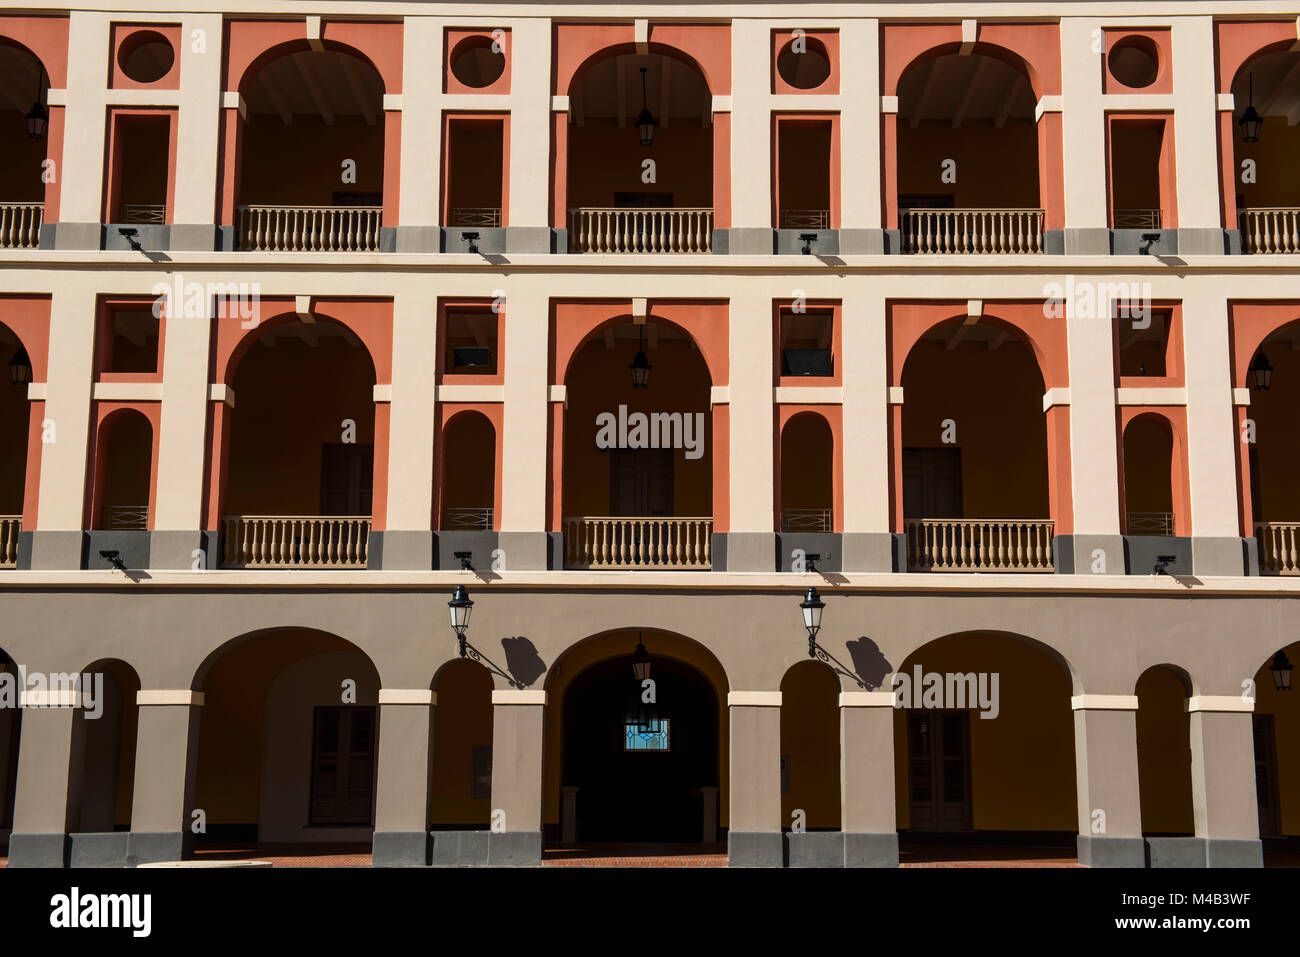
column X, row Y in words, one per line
column 1224, row 803
column 868, row 542
column 166, row 761
column 754, row 836
column 861, row 229
column 529, row 229
column 197, row 138
column 405, row 776
column 524, row 449
column 751, row 154
column 868, row 818
column 1106, row 774
column 42, row 811
column 516, row 835
column 421, row 142
column 751, row 537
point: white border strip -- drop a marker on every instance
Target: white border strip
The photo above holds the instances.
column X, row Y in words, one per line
column 513, row 696
column 866, row 699
column 407, row 696
column 754, row 699
column 155, row 696
column 1220, row 703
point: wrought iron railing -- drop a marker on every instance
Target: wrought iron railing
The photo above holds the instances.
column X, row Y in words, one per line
column 610, row 542
column 467, row 519
column 126, row 517
column 1137, row 219
column 299, row 229
column 805, row 520
column 1279, row 547
column 615, row 230
column 804, row 219
column 10, row 527
column 1149, row 523
column 971, row 231
column 1272, row 229
column 302, row 541
column 20, row 225
column 486, row 216
column 979, row 545
column 144, row 213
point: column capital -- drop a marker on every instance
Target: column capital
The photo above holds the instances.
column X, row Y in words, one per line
column 867, row 699
column 157, row 696
column 515, row 696
column 408, row 696
column 1104, row 702
column 754, row 699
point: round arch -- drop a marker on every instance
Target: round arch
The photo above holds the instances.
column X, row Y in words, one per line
column 290, row 47
column 1134, row 422
column 474, row 484
column 234, row 353
column 630, row 49
column 125, row 465
column 706, row 344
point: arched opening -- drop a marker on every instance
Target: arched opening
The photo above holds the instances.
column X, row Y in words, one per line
column 103, row 749
column 299, row 481
column 807, row 489
column 15, row 418
column 1149, row 477
column 288, row 747
column 1276, row 723
column 975, row 482
column 638, row 461
column 1164, row 752
column 11, row 719
column 1262, row 173
column 469, row 474
column 311, row 166
column 24, row 130
column 640, row 167
column 969, row 177
column 462, row 748
column 124, row 463
column 810, row 748
column 633, row 767
column 986, row 739
column 1273, row 456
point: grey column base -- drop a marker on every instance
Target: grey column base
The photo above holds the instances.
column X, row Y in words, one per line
column 1089, row 554
column 480, row 545
column 148, row 847
column 1203, row 241
column 132, row 546
column 789, row 243
column 176, row 550
column 1224, row 556
column 1142, row 551
column 77, row 236
column 514, row 848
column 745, row 552
column 1054, row 242
column 862, row 242
column 893, row 242
column 863, row 849
column 755, row 849
column 58, row 551
column 226, row 239
column 103, row 849
column 387, row 239
column 867, row 552
column 460, row 848
column 529, row 239
column 417, row 239
column 400, row 849
column 825, row 544
column 1087, row 242
column 194, row 237
column 528, row 551
column 749, row 241
column 1175, row 852
column 491, row 239
column 1112, row 851
column 152, row 237
column 1220, row 852
column 38, row 850
column 814, row 849
column 402, row 550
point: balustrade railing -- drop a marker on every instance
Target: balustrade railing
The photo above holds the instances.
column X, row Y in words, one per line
column 467, row 519
column 10, row 526
column 1279, row 547
column 971, row 231
column 20, row 225
column 295, row 541
column 145, row 213
column 609, row 542
column 309, row 229
column 979, row 545
column 1271, row 229
column 616, row 230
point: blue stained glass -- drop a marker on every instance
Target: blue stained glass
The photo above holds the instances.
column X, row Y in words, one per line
column 652, row 736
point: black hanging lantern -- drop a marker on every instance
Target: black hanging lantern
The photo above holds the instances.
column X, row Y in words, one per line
column 812, row 606
column 640, row 365
column 1281, row 668
column 1251, row 121
column 641, row 661
column 1261, row 372
column 20, row 367
column 460, row 605
column 38, row 116
column 645, row 123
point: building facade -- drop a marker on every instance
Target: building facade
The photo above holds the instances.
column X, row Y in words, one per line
column 981, row 319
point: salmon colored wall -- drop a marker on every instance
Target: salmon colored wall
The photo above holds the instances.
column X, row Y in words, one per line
column 583, row 655
column 995, row 168
column 1285, row 708
column 302, row 164
column 476, row 162
column 809, row 460
column 1032, row 47
column 810, row 743
column 806, row 164
column 108, row 347
column 830, row 43
column 1164, row 753
column 607, row 158
column 1164, row 81
column 1150, row 466
column 1237, row 41
column 124, row 450
column 452, row 46
column 117, row 78
column 46, row 38
column 577, row 47
column 138, row 160
column 468, row 458
column 462, row 720
column 370, row 320
column 1141, row 135
column 1022, row 762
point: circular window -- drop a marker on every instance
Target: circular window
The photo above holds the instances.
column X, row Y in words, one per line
column 806, row 68
column 475, row 64
column 1134, row 61
column 145, row 56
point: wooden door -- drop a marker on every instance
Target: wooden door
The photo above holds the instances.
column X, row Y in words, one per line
column 641, row 482
column 938, row 748
column 932, row 483
column 1266, row 774
column 343, row 765
column 347, row 479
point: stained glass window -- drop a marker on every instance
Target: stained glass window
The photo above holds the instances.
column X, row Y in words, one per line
column 650, row 736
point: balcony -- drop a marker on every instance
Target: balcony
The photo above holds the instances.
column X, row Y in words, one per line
column 20, row 225
column 979, row 545
column 487, row 217
column 806, row 520
column 607, row 229
column 1138, row 219
column 804, row 219
column 126, row 517
column 971, row 231
column 10, row 527
column 467, row 519
column 1149, row 523
column 300, row 541
column 608, row 542
column 1279, row 553
column 1274, row 229
column 309, row 229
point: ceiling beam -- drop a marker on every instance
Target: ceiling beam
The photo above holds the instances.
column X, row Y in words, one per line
column 609, row 337
column 306, row 331
column 959, row 333
column 352, row 70
column 15, row 82
column 1266, row 103
column 927, row 91
column 996, row 342
column 971, row 89
column 1009, row 104
column 313, row 89
column 273, row 94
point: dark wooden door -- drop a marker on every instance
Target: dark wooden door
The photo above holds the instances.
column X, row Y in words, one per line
column 343, row 765
column 1266, row 774
column 932, row 483
column 641, row 482
column 938, row 747
column 347, row 479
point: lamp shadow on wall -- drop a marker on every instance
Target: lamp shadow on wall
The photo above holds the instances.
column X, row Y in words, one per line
column 870, row 666
column 522, row 660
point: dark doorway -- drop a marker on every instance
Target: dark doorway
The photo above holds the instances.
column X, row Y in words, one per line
column 343, row 765
column 649, row 795
column 938, row 751
column 932, row 483
column 1266, row 774
column 641, row 482
column 347, row 479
